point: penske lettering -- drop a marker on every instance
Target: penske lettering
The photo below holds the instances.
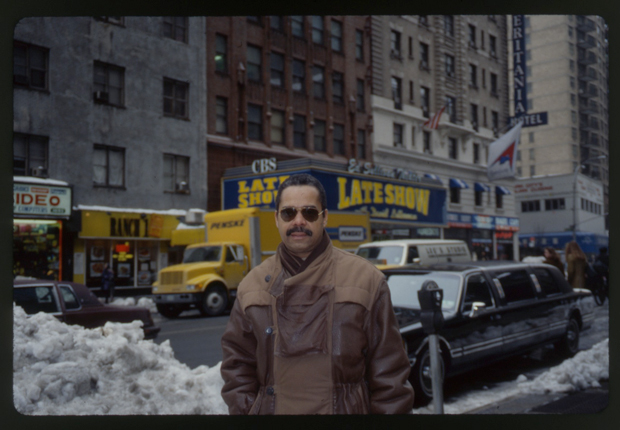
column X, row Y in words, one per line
column 371, row 192
column 227, row 224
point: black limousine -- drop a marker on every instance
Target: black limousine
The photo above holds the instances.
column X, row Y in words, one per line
column 491, row 310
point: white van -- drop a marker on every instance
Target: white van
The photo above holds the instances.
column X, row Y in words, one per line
column 391, row 253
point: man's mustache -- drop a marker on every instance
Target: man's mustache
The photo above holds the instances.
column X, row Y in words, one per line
column 298, row 229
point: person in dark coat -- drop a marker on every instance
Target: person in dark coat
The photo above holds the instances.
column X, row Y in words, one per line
column 552, row 257
column 107, row 282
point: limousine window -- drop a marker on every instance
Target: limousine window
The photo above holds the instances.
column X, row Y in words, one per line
column 477, row 290
column 390, row 254
column 546, row 281
column 516, row 284
column 69, row 297
column 36, row 299
column 404, row 288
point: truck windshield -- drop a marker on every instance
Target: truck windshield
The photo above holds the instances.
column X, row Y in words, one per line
column 205, row 253
column 382, row 254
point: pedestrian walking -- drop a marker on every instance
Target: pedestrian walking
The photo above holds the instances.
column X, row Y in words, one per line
column 107, row 282
column 576, row 265
column 552, row 257
column 312, row 330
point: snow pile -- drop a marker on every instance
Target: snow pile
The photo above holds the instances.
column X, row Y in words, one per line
column 143, row 302
column 583, row 371
column 60, row 369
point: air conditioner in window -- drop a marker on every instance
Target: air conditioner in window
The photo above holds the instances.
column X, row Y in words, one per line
column 195, row 216
column 40, row 172
column 181, row 187
column 101, row 96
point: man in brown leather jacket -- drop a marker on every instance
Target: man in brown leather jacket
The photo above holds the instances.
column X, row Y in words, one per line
column 312, row 330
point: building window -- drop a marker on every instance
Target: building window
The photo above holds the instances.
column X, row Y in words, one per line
column 276, row 23
column 175, row 27
column 530, row 206
column 336, row 36
column 109, row 84
column 426, row 136
column 499, row 200
column 425, row 95
column 221, row 53
column 493, row 46
column 571, row 65
column 397, row 95
column 297, row 26
column 255, row 122
column 410, row 48
column 395, row 44
column 573, row 99
column 482, row 40
column 554, row 204
column 339, row 139
column 532, row 154
column 176, row 98
column 30, row 155
column 476, row 153
column 254, row 19
column 299, row 76
column 518, row 155
column 361, row 105
column 494, row 91
column 318, row 82
column 338, row 87
column 30, row 66
column 448, row 25
column 176, row 174
column 277, row 69
column 361, row 144
column 453, row 148
column 424, row 56
column 221, row 115
column 474, row 116
column 484, row 116
column 398, row 135
column 451, row 108
column 572, row 82
column 519, row 172
column 473, row 76
column 423, row 19
column 495, row 121
column 450, row 65
column 478, row 197
column 108, row 166
column 254, row 63
column 318, row 30
column 116, row 20
column 455, row 195
column 319, row 135
column 484, row 78
column 532, row 170
column 359, row 45
column 278, row 127
column 472, row 36
column 574, row 133
column 299, row 131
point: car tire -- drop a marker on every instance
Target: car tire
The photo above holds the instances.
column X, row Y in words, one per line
column 214, row 300
column 568, row 346
column 420, row 377
column 169, row 311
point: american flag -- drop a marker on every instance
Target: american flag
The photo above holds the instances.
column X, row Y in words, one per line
column 433, row 123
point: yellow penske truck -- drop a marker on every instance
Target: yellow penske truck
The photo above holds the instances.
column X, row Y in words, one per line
column 236, row 240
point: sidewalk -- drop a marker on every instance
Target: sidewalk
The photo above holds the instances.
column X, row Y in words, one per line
column 590, row 401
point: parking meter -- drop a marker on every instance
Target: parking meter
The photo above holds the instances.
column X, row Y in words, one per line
column 430, row 297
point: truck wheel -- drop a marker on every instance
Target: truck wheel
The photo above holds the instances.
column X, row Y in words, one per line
column 169, row 311
column 420, row 377
column 214, row 300
column 569, row 344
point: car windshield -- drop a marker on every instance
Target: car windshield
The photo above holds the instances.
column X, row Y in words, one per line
column 382, row 254
column 404, row 288
column 204, row 253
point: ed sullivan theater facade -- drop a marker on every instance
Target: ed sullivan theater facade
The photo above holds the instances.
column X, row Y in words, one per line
column 401, row 203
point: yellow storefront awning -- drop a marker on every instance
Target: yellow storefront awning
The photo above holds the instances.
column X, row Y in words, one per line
column 187, row 236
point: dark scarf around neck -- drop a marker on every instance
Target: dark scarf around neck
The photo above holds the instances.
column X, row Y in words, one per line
column 295, row 265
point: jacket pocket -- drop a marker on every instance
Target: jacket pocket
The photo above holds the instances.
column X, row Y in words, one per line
column 255, row 409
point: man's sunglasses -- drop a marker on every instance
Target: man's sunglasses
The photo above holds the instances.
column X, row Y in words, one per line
column 310, row 214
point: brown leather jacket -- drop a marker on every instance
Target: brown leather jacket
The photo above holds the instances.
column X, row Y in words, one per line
column 324, row 341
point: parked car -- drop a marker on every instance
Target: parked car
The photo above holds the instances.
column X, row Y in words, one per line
column 492, row 310
column 389, row 253
column 74, row 303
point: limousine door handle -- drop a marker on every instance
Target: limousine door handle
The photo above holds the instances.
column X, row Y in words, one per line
column 496, row 317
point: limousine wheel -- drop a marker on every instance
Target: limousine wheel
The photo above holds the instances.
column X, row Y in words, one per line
column 169, row 311
column 569, row 345
column 421, row 379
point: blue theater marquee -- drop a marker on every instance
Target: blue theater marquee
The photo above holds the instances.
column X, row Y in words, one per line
column 385, row 199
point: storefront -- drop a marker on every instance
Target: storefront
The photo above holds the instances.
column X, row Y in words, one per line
column 41, row 210
column 134, row 242
column 490, row 237
column 400, row 203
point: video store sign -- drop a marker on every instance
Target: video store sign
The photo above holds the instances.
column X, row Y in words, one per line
column 41, row 200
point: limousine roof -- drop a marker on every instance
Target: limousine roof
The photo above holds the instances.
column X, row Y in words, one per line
column 402, row 242
column 456, row 267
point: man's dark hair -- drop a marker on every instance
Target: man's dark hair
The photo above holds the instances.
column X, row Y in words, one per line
column 302, row 179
